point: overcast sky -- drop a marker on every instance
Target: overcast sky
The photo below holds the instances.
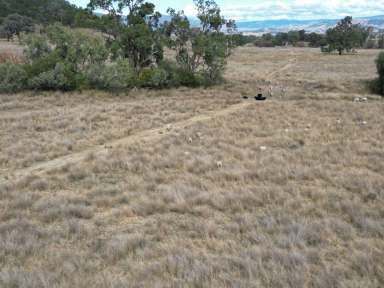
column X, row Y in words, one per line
column 279, row 9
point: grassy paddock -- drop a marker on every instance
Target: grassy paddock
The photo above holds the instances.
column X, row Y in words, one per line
column 285, row 193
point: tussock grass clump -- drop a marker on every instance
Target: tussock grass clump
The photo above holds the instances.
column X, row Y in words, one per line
column 120, row 246
column 50, row 210
column 20, row 238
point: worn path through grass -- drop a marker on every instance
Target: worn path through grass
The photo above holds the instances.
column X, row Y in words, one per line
column 141, row 137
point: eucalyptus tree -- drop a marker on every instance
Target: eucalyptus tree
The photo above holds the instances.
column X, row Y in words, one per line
column 133, row 29
column 206, row 50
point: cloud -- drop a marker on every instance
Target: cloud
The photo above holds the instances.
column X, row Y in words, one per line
column 190, row 10
column 298, row 9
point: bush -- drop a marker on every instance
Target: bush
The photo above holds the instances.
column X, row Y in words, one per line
column 12, row 77
column 380, row 71
column 62, row 77
column 60, row 59
column 172, row 73
column 36, row 46
column 189, row 79
column 116, row 76
column 42, row 64
column 155, row 77
column 179, row 76
column 377, row 85
column 78, row 48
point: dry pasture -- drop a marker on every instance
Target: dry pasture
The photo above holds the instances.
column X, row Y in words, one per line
column 199, row 187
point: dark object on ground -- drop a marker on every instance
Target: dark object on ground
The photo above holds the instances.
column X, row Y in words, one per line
column 245, row 97
column 260, row 97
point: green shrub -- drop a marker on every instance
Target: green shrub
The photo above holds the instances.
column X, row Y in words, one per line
column 60, row 59
column 189, row 79
column 179, row 76
column 12, row 77
column 62, row 77
column 380, row 71
column 42, row 64
column 116, row 76
column 36, row 46
column 155, row 77
column 78, row 48
column 172, row 73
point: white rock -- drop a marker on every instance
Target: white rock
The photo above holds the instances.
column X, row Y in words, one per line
column 263, row 148
column 360, row 99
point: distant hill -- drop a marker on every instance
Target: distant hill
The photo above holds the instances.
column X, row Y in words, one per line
column 319, row 26
column 42, row 11
column 285, row 25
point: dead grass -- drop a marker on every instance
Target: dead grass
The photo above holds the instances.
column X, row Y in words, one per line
column 297, row 200
column 11, row 52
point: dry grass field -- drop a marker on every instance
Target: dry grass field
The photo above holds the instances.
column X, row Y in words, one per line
column 199, row 187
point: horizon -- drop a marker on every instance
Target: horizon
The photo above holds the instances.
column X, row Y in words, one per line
column 267, row 10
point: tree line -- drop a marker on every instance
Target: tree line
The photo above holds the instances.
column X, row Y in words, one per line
column 127, row 52
column 344, row 37
column 294, row 38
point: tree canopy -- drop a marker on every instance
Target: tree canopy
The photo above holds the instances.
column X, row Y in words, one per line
column 346, row 36
column 133, row 34
column 15, row 24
